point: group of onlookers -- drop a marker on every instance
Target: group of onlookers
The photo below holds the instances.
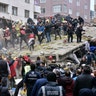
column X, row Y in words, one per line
column 45, row 77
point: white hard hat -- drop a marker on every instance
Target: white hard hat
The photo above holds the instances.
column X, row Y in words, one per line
column 69, row 63
column 42, row 52
column 83, row 65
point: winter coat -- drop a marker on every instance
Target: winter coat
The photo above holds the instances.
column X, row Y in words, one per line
column 37, row 86
column 4, row 68
column 79, row 31
column 40, row 28
column 47, row 28
column 81, row 83
column 94, row 86
column 4, row 91
column 12, row 69
column 68, row 85
column 85, row 92
column 70, row 30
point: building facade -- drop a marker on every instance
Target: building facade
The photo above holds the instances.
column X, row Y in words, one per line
column 18, row 9
column 65, row 7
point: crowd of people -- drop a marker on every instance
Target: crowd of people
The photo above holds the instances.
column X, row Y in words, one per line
column 44, row 76
column 16, row 33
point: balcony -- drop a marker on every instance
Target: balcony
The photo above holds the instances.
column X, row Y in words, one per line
column 37, row 9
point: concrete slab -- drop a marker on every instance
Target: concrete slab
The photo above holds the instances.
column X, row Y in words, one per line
column 55, row 47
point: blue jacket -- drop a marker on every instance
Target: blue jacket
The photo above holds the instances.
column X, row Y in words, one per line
column 40, row 28
column 37, row 86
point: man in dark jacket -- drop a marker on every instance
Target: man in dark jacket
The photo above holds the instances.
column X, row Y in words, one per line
column 85, row 92
column 57, row 30
column 23, row 36
column 80, row 20
column 30, row 79
column 70, row 32
column 4, row 70
column 3, row 89
column 94, row 84
column 79, row 33
column 51, row 88
column 83, row 81
column 39, row 83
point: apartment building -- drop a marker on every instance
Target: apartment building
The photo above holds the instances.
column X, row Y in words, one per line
column 65, row 7
column 19, row 9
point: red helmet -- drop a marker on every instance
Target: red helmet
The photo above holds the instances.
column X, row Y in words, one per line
column 50, row 57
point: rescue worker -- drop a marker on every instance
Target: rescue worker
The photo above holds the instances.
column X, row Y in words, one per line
column 30, row 79
column 51, row 88
column 7, row 37
column 79, row 33
column 23, row 36
column 70, row 32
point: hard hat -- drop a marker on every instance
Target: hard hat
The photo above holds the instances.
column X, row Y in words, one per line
column 41, row 52
column 50, row 57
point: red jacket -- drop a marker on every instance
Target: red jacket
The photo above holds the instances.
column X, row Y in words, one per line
column 68, row 85
column 12, row 69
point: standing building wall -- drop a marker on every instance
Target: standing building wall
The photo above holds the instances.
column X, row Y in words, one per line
column 65, row 7
column 18, row 9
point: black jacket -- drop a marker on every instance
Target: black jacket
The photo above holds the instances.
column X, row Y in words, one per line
column 48, row 28
column 31, row 77
column 3, row 68
column 82, row 81
column 4, row 91
column 70, row 30
column 79, row 31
